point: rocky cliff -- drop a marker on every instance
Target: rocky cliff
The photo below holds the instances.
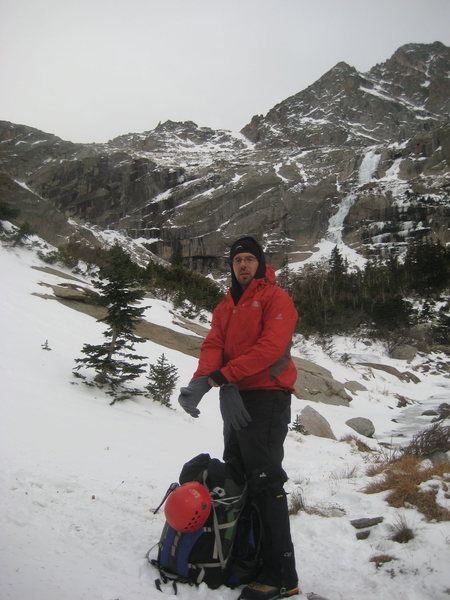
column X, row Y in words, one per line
column 360, row 159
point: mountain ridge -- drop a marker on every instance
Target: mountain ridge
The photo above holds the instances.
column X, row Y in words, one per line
column 185, row 190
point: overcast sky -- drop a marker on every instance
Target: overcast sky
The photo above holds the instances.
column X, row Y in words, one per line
column 89, row 70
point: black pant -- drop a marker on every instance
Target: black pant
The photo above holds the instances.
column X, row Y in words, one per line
column 258, row 450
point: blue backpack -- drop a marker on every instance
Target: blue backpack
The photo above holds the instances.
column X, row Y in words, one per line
column 226, row 550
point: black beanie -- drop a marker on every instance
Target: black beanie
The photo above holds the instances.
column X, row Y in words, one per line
column 250, row 245
column 246, row 244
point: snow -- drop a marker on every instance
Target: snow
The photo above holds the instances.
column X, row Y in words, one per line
column 79, row 478
column 322, row 253
column 277, row 168
column 333, row 237
column 26, row 187
column 394, row 170
column 163, row 312
column 336, row 222
column 381, row 93
column 368, row 166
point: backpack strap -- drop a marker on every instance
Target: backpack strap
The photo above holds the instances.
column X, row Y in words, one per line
column 159, row 588
column 218, row 549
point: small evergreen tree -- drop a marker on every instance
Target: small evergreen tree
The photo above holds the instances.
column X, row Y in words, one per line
column 162, row 377
column 298, row 426
column 22, row 233
column 284, row 277
column 7, row 213
column 45, row 346
column 441, row 329
column 115, row 361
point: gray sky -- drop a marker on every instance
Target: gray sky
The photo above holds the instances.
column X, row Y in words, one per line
column 89, row 70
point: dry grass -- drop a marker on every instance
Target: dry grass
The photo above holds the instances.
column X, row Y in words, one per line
column 296, row 503
column 381, row 559
column 354, row 441
column 345, row 473
column 380, row 463
column 401, row 531
column 403, row 478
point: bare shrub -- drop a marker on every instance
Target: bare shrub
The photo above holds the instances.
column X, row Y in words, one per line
column 382, row 459
column 433, row 439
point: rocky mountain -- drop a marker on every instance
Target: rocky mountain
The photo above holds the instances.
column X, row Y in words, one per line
column 360, row 159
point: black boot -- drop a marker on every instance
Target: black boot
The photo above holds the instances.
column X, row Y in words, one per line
column 259, row 591
column 278, row 551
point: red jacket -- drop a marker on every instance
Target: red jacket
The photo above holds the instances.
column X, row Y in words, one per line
column 250, row 342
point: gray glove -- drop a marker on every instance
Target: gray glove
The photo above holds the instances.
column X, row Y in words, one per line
column 232, row 407
column 191, row 395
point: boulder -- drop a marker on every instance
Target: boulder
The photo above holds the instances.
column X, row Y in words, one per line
column 315, row 424
column 444, row 410
column 404, row 352
column 365, row 522
column 439, row 458
column 317, row 384
column 71, row 291
column 362, row 426
column 355, row 386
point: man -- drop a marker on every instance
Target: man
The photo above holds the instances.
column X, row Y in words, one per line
column 247, row 354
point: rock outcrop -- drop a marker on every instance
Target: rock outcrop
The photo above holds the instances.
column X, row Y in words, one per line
column 317, row 383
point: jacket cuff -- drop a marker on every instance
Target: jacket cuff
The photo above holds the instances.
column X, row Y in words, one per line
column 218, row 377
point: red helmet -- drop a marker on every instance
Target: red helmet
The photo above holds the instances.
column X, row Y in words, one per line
column 188, row 507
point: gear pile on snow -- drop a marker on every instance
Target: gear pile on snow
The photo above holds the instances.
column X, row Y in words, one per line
column 224, row 549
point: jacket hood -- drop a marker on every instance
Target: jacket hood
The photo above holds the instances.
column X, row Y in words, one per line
column 256, row 249
column 270, row 275
column 236, row 290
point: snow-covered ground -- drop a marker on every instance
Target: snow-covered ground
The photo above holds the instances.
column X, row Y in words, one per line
column 79, row 478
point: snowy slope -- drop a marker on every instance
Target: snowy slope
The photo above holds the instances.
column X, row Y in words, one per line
column 79, row 478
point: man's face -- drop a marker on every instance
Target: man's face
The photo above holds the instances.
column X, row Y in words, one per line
column 245, row 266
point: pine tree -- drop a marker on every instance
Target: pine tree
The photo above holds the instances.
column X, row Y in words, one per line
column 284, row 277
column 8, row 212
column 115, row 361
column 441, row 329
column 298, row 426
column 23, row 233
column 163, row 377
column 427, row 265
column 338, row 266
